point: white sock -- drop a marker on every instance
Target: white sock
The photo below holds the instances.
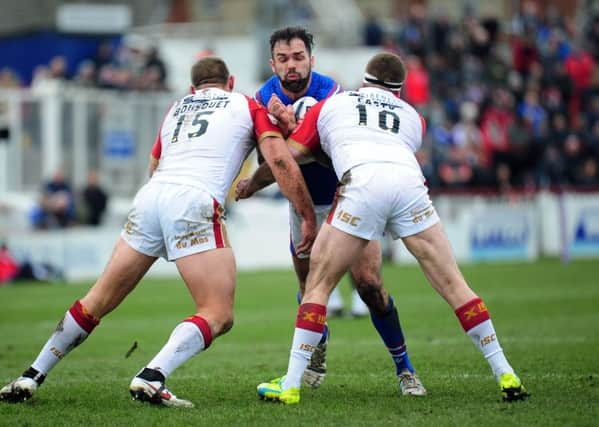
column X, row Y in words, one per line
column 484, row 338
column 304, row 342
column 66, row 337
column 185, row 341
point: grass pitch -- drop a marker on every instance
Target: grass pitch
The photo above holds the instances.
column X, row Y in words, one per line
column 546, row 316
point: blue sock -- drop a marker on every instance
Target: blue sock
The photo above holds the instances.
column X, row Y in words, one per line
column 389, row 329
column 325, row 333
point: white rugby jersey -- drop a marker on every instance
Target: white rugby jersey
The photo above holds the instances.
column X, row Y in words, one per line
column 205, row 137
column 365, row 126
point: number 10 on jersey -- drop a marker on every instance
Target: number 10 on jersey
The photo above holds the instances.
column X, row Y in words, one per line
column 384, row 116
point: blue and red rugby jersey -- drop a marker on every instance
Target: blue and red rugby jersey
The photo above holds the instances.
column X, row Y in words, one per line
column 321, row 181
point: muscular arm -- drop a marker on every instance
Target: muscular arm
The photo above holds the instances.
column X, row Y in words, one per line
column 260, row 179
column 263, row 176
column 289, row 177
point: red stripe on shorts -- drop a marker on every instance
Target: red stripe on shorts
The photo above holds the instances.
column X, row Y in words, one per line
column 333, row 206
column 217, row 226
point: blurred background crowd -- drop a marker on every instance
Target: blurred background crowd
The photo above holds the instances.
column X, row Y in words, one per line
column 509, row 105
column 134, row 66
column 511, row 101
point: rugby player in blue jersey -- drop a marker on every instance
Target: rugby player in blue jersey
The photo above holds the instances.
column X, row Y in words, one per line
column 294, row 81
column 291, row 62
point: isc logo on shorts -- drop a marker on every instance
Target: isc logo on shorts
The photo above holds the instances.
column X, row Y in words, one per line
column 348, row 218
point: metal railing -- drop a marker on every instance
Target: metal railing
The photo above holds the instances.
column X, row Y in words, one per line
column 61, row 127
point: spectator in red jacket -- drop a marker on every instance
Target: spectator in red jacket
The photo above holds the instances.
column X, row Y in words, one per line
column 495, row 124
column 416, row 85
column 9, row 269
column 579, row 66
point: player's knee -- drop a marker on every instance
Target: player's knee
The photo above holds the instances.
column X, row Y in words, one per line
column 374, row 296
column 367, row 277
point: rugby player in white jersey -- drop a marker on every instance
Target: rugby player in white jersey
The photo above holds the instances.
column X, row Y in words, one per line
column 178, row 215
column 371, row 135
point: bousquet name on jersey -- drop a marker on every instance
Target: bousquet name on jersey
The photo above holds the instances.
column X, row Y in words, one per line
column 191, row 104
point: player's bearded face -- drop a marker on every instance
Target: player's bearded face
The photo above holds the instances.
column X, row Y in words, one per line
column 294, row 82
column 292, row 64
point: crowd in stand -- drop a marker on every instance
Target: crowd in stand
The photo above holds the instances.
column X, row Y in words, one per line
column 130, row 66
column 60, row 207
column 508, row 105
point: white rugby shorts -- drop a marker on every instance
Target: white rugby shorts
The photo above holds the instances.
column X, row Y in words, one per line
column 174, row 220
column 377, row 197
column 295, row 225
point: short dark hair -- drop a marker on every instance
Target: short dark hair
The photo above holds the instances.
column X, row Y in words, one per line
column 289, row 33
column 387, row 67
column 210, row 69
